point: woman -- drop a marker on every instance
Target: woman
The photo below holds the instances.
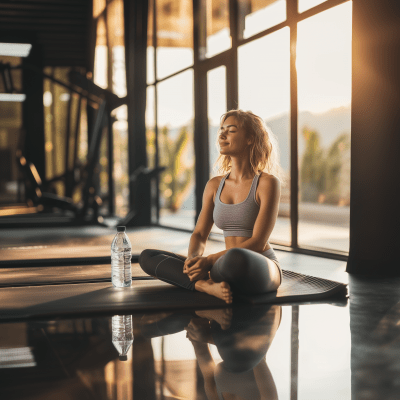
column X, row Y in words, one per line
column 244, row 204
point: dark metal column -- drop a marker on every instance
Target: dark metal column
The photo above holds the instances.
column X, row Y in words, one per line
column 33, row 112
column 375, row 139
column 110, row 152
column 110, row 133
column 68, row 183
column 156, row 180
column 200, row 137
column 200, row 114
column 292, row 8
column 77, row 132
column 135, row 18
column 232, row 85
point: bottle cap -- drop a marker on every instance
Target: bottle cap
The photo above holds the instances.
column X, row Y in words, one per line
column 121, row 228
column 123, row 358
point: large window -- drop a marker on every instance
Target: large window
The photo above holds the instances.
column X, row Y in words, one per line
column 324, row 96
column 109, row 73
column 66, row 136
column 257, row 15
column 216, row 107
column 215, row 34
column 11, row 134
column 264, row 89
column 170, row 111
column 174, row 26
column 152, row 148
column 175, row 140
column 262, row 56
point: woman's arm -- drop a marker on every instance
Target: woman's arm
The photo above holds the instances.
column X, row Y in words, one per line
column 207, row 366
column 196, row 246
column 205, row 221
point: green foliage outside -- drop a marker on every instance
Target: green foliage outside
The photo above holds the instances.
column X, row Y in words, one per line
column 175, row 181
column 321, row 171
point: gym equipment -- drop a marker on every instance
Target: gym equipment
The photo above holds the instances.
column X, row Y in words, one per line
column 36, row 191
column 40, row 193
column 141, row 177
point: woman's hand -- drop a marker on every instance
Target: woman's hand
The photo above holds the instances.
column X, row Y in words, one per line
column 198, row 330
column 197, row 268
column 185, row 265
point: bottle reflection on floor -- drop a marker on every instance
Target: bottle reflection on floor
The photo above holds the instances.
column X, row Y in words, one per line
column 122, row 334
column 242, row 340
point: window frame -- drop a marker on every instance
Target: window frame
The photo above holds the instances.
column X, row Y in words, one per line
column 229, row 59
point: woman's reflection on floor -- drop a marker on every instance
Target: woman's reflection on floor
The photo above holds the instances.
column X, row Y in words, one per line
column 242, row 339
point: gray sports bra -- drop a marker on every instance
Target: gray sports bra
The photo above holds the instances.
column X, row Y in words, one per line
column 236, row 219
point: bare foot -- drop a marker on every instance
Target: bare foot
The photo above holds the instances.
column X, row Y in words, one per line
column 222, row 316
column 221, row 290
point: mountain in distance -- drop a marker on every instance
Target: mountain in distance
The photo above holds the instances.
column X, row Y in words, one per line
column 329, row 125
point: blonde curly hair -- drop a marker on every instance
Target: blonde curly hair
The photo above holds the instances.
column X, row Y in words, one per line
column 264, row 150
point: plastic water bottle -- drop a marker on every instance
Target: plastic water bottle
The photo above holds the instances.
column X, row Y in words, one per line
column 122, row 334
column 121, row 253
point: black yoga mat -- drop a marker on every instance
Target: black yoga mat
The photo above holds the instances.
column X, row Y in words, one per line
column 56, row 275
column 50, row 255
column 297, row 287
column 144, row 295
column 94, row 298
column 44, row 250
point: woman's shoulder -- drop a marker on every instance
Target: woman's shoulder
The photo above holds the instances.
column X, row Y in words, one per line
column 269, row 185
column 215, row 181
column 266, row 177
column 213, row 185
column 268, row 181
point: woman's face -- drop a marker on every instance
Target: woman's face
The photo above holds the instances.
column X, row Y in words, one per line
column 232, row 139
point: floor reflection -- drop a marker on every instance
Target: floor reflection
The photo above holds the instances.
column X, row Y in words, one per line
column 113, row 357
column 242, row 339
column 68, row 358
column 240, row 353
column 122, row 334
column 375, row 338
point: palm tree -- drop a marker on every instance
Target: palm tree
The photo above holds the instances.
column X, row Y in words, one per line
column 312, row 170
column 177, row 178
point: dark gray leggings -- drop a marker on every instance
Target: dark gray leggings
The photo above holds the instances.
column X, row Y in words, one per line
column 246, row 271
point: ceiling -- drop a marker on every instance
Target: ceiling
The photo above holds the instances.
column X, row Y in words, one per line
column 60, row 28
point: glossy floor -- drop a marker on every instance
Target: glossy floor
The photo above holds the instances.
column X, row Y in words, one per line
column 309, row 351
column 318, row 351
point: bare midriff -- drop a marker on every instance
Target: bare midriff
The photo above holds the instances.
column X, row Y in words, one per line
column 234, row 241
